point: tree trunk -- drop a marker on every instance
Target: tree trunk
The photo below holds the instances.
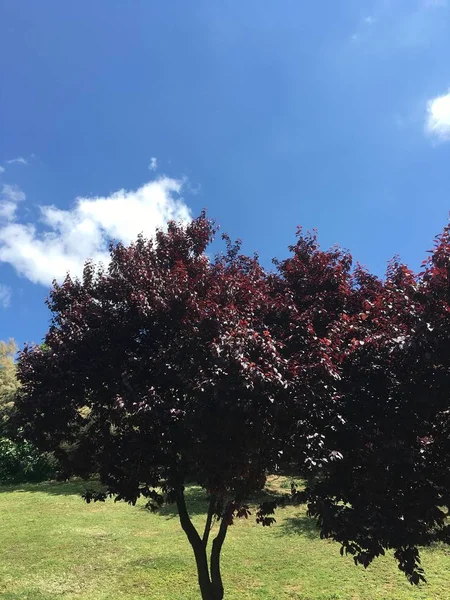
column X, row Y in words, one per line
column 216, row 576
column 209, row 579
column 204, row 581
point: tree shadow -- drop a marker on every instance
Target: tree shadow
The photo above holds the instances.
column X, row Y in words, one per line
column 56, row 488
column 196, row 497
column 197, row 502
column 301, row 525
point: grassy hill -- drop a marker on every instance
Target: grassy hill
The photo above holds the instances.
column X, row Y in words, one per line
column 53, row 546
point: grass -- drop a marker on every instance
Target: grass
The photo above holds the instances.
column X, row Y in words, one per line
column 53, row 546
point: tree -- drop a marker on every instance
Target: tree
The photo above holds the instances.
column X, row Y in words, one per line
column 169, row 367
column 161, row 370
column 8, row 380
column 389, row 422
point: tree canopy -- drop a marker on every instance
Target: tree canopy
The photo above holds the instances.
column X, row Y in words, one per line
column 169, row 352
column 171, row 366
column 391, row 488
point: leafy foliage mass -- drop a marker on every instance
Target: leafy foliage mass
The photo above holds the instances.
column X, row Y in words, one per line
column 390, row 423
column 169, row 367
column 9, row 383
column 21, row 462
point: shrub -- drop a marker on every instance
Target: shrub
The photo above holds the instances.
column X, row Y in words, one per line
column 21, row 462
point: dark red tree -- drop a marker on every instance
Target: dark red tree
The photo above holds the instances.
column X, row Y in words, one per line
column 388, row 422
column 169, row 367
column 161, row 370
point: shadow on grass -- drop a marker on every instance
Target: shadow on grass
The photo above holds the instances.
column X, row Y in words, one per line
column 299, row 525
column 55, row 488
column 197, row 502
column 196, row 498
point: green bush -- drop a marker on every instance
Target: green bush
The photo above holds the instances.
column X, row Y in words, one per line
column 20, row 462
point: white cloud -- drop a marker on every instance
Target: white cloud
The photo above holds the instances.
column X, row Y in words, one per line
column 2, row 169
column 20, row 160
column 67, row 238
column 7, row 210
column 10, row 196
column 153, row 163
column 12, row 193
column 5, row 295
column 438, row 117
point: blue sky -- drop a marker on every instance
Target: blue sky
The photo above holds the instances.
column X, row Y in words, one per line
column 117, row 115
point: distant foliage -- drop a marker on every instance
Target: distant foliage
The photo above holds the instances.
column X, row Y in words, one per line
column 9, row 383
column 20, row 462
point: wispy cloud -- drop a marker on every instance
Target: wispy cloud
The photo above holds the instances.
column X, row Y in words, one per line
column 394, row 25
column 10, row 196
column 12, row 193
column 63, row 239
column 5, row 295
column 20, row 160
column 437, row 122
column 153, row 163
column 2, row 169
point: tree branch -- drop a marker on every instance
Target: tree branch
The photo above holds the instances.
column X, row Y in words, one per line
column 185, row 519
column 209, row 518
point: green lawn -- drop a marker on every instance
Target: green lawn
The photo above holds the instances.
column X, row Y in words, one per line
column 54, row 546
